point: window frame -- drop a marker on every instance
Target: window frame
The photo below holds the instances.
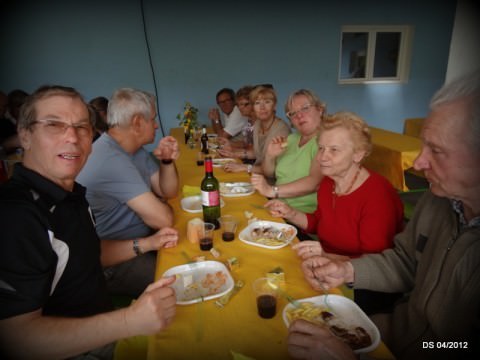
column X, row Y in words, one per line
column 404, row 55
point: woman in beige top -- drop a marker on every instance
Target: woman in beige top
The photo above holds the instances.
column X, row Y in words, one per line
column 267, row 126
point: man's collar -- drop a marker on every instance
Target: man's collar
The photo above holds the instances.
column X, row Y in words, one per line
column 457, row 206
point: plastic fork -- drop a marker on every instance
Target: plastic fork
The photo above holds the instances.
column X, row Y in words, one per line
column 290, row 299
column 324, row 289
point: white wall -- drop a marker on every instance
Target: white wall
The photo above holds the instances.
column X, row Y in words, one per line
column 465, row 45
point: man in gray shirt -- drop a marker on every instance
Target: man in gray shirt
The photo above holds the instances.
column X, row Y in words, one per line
column 127, row 190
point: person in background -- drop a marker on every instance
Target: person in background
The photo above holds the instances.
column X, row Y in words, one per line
column 7, row 128
column 435, row 261
column 54, row 301
column 239, row 148
column 289, row 159
column 358, row 211
column 100, row 105
column 9, row 138
column 267, row 126
column 127, row 190
column 230, row 122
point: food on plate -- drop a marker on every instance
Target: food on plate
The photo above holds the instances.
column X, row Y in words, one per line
column 271, row 236
column 194, row 230
column 210, row 284
column 354, row 336
column 235, row 188
column 222, row 161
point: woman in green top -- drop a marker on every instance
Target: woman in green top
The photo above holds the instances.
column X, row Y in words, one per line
column 289, row 159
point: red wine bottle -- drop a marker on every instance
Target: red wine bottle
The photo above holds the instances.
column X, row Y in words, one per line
column 210, row 195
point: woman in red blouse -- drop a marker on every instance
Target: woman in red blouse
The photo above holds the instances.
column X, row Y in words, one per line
column 358, row 210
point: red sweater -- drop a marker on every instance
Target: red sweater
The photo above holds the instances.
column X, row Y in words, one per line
column 363, row 221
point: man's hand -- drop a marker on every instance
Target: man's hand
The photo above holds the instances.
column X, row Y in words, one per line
column 310, row 341
column 166, row 237
column 325, row 272
column 154, row 310
column 167, row 149
column 214, row 114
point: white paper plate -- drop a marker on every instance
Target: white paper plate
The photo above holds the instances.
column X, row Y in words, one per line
column 190, row 285
column 235, row 189
column 219, row 162
column 193, row 204
column 348, row 313
column 246, row 234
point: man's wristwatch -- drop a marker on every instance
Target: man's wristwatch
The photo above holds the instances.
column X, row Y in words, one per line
column 136, row 248
column 275, row 191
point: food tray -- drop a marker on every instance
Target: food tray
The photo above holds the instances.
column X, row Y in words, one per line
column 347, row 312
column 193, row 204
column 235, row 189
column 191, row 285
column 289, row 230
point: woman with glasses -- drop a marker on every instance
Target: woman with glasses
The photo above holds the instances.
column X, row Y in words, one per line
column 290, row 159
column 358, row 211
column 267, row 127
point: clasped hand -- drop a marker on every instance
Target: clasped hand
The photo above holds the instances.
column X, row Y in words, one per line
column 167, row 149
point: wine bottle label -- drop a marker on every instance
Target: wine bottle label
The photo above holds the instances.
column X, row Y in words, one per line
column 210, row 198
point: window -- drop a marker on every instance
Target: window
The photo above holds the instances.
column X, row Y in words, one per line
column 375, row 54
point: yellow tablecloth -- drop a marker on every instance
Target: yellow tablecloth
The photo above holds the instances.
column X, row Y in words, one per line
column 392, row 154
column 204, row 331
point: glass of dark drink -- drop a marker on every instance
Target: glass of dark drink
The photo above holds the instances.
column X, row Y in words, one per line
column 229, row 226
column 206, row 240
column 266, row 297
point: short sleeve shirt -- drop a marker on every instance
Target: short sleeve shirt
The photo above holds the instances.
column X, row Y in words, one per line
column 50, row 256
column 234, row 122
column 112, row 178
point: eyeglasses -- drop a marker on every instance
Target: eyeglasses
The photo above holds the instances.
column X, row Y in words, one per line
column 55, row 127
column 224, row 101
column 302, row 110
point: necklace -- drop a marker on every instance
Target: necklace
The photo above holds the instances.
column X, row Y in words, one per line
column 335, row 194
column 269, row 126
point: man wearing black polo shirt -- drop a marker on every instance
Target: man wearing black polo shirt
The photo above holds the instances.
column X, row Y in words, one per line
column 53, row 298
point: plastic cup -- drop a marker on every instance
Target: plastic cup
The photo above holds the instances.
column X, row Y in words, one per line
column 206, row 241
column 228, row 224
column 266, row 297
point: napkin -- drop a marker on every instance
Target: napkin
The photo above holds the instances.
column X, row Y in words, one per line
column 189, row 190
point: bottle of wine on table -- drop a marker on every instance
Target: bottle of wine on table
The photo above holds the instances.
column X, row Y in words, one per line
column 210, row 195
column 204, row 140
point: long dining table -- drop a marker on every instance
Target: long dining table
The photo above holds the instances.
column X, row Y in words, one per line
column 392, row 154
column 203, row 330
